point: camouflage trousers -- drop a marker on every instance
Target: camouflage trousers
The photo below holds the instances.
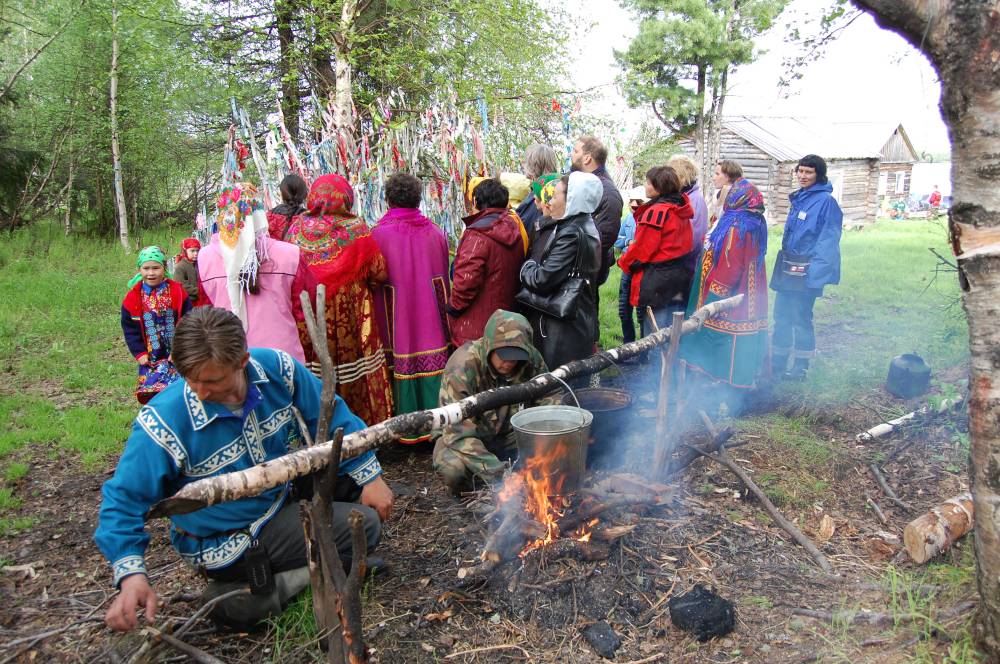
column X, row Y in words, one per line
column 460, row 460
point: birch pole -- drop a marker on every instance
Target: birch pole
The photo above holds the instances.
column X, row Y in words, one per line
column 252, row 481
column 116, row 159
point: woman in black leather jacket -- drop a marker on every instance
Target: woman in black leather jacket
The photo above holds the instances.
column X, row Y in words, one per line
column 573, row 248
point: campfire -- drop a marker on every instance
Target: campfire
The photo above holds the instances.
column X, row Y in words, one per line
column 534, row 500
column 543, row 510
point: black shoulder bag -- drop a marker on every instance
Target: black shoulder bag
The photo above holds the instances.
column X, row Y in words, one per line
column 562, row 303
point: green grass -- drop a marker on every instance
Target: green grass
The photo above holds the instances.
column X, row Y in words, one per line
column 879, row 310
column 66, row 377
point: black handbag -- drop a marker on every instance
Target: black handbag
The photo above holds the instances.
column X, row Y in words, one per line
column 562, row 303
column 790, row 272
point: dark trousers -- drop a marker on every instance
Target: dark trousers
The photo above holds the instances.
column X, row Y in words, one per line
column 626, row 312
column 793, row 324
column 285, row 540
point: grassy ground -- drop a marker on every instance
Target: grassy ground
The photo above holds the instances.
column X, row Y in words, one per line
column 889, row 301
column 65, row 374
column 66, row 381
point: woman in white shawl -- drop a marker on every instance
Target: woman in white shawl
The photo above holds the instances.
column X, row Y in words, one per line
column 573, row 251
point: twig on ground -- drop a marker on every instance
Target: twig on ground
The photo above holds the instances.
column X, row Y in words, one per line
column 887, row 490
column 722, row 458
column 882, row 619
column 878, row 510
column 35, row 638
column 196, row 654
column 503, row 646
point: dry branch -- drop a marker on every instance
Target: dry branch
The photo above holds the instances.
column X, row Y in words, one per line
column 196, row 654
column 571, row 548
column 585, row 513
column 666, row 438
column 886, row 428
column 250, row 482
column 934, row 532
column 887, row 490
column 722, row 458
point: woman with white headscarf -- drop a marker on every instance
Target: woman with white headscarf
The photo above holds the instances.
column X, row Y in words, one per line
column 566, row 273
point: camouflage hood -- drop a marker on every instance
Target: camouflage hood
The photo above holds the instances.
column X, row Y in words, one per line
column 505, row 329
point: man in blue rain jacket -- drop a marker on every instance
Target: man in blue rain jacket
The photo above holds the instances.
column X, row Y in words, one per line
column 808, row 261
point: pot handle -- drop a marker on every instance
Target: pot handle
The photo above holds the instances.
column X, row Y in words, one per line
column 583, row 419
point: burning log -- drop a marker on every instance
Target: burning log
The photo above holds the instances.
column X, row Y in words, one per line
column 252, row 481
column 509, row 538
column 934, row 532
column 598, row 507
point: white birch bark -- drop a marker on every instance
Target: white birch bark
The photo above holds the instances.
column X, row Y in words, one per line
column 115, row 151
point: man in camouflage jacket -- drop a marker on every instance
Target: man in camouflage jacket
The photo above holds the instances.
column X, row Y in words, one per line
column 479, row 445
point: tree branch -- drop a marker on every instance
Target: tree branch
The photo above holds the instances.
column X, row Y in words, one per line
column 250, row 482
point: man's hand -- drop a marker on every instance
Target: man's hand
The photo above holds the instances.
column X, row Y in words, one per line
column 378, row 496
column 143, row 360
column 135, row 592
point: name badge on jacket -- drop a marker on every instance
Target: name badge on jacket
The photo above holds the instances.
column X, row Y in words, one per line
column 802, row 215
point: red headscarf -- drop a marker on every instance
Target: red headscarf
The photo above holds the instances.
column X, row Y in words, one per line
column 336, row 244
column 187, row 243
column 330, row 194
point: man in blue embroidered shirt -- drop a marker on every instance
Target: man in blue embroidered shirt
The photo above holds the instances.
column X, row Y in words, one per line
column 233, row 410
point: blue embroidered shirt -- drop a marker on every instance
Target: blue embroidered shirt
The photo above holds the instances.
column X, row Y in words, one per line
column 177, row 439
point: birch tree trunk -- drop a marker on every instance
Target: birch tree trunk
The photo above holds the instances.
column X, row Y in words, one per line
column 343, row 103
column 962, row 40
column 700, row 153
column 115, row 152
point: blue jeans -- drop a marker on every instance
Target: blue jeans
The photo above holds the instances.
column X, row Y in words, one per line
column 793, row 324
column 626, row 310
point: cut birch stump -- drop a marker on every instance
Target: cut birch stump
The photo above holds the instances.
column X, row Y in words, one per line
column 934, row 532
column 252, row 481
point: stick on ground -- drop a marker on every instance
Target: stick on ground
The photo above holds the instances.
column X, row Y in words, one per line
column 722, row 458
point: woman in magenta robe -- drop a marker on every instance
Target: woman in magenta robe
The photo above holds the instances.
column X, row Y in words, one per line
column 411, row 307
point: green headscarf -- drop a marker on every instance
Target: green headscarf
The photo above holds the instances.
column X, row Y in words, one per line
column 150, row 253
column 544, row 185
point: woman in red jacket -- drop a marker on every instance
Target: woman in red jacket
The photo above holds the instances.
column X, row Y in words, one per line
column 486, row 265
column 655, row 259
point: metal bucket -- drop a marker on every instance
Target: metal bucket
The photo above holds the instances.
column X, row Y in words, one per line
column 542, row 430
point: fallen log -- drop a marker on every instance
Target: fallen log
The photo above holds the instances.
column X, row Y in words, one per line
column 252, row 481
column 886, row 428
column 934, row 532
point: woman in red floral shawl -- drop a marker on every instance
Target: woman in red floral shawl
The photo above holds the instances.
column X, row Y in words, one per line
column 344, row 257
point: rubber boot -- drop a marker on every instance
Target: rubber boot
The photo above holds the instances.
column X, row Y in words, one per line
column 799, row 369
column 246, row 612
column 779, row 362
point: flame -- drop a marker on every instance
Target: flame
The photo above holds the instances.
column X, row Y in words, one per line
column 537, row 489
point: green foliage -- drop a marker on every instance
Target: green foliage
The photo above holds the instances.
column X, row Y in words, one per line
column 683, row 47
column 15, row 471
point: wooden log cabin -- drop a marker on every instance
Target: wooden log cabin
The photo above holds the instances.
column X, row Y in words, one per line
column 865, row 160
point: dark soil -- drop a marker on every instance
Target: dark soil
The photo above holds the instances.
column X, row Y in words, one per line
column 713, row 533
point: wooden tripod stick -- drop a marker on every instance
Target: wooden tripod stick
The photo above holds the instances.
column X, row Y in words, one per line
column 665, row 440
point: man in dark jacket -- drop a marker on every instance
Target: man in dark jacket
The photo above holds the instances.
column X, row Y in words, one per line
column 486, row 265
column 809, row 260
column 589, row 156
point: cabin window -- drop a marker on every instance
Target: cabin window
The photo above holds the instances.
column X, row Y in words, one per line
column 883, row 183
column 900, row 182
